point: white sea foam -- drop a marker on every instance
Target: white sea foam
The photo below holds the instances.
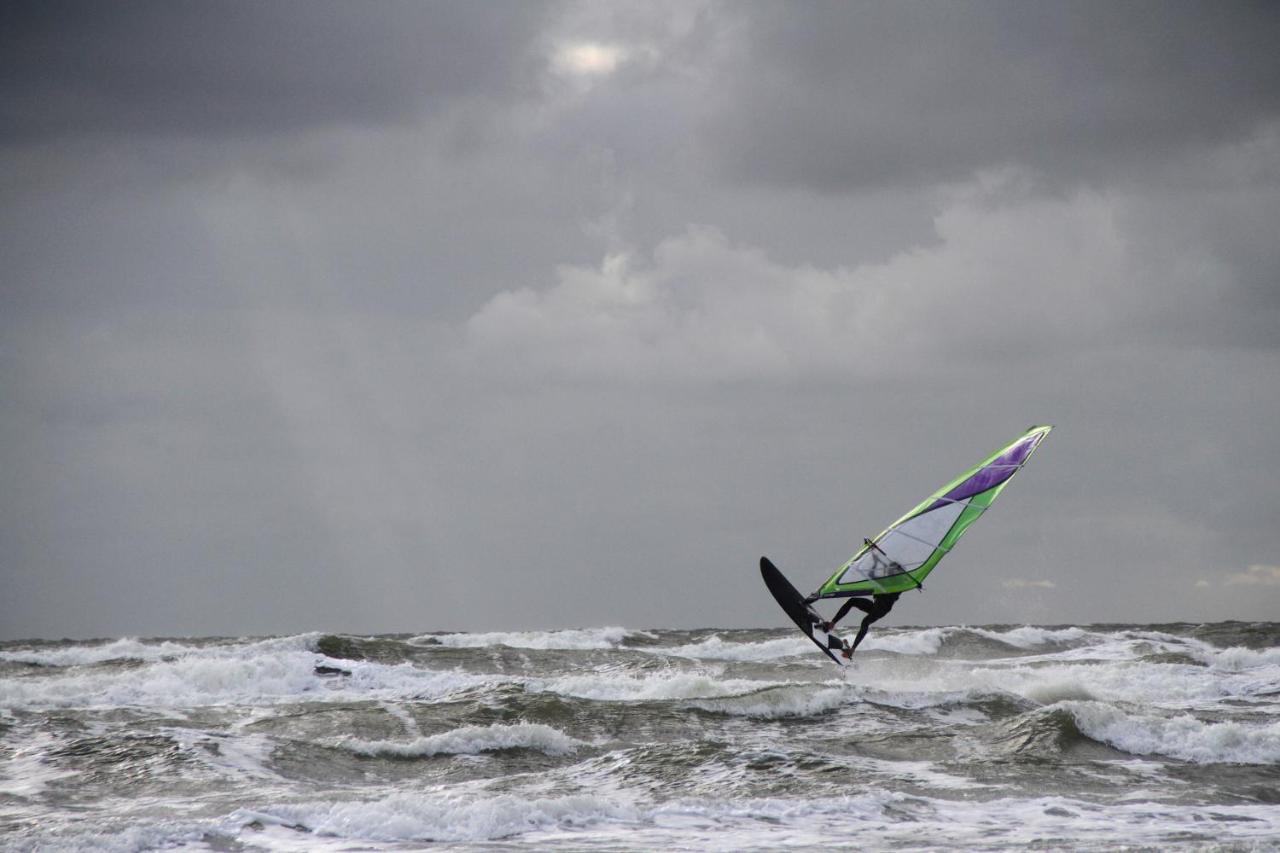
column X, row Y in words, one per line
column 912, row 642
column 929, row 641
column 923, row 773
column 250, row 674
column 235, row 756
column 614, row 820
column 569, row 639
column 28, row 771
column 1159, row 710
column 780, row 702
column 716, row 648
column 112, row 836
column 1047, row 684
column 443, row 815
column 1050, row 678
column 402, row 714
column 924, row 641
column 1182, row 736
column 764, row 812
column 1236, row 658
column 1030, row 637
column 126, row 648
column 470, row 740
column 610, row 687
column 895, row 820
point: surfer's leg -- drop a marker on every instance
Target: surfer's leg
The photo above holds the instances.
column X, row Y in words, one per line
column 873, row 615
column 850, row 603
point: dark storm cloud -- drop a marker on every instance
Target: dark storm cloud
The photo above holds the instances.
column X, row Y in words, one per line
column 471, row 316
column 839, row 95
column 199, row 68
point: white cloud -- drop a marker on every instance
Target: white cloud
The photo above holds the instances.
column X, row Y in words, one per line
column 1256, row 575
column 702, row 308
column 1004, row 280
column 1023, row 583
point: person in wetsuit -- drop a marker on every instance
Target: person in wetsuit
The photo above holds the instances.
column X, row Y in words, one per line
column 875, row 609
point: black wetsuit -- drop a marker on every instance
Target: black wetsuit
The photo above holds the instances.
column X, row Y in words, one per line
column 877, row 608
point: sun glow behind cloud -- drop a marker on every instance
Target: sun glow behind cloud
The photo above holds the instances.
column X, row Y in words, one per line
column 588, row 59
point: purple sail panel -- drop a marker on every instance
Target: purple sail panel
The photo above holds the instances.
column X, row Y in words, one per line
column 993, row 473
column 1018, row 453
column 996, row 471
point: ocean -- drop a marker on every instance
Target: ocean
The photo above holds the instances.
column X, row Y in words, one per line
column 612, row 739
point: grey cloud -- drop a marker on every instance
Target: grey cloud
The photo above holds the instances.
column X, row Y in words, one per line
column 840, row 96
column 303, row 361
column 223, row 69
column 1029, row 275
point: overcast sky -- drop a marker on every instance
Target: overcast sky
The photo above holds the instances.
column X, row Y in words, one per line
column 485, row 316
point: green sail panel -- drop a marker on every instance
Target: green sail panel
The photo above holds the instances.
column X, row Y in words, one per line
column 905, row 552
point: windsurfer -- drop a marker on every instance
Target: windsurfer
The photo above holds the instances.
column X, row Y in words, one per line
column 875, row 609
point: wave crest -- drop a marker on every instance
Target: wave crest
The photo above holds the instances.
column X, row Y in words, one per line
column 780, row 702
column 443, row 817
column 1183, row 736
column 470, row 740
column 570, row 639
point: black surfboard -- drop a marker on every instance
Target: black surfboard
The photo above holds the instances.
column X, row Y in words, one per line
column 792, row 602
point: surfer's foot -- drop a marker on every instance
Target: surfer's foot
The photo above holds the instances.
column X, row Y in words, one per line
column 847, row 654
column 826, row 626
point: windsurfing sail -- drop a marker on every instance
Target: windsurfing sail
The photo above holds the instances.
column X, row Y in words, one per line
column 906, row 551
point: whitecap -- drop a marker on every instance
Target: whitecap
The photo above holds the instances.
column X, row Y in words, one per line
column 241, row 674
column 715, row 648
column 1235, row 658
column 442, row 815
column 470, row 740
column 569, row 639
column 780, row 702
column 1030, row 636
column 27, row 771
column 655, row 687
column 125, row 648
column 923, row 641
column 1183, row 736
column 234, row 756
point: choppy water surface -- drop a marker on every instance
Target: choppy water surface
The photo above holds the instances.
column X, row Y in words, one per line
column 613, row 739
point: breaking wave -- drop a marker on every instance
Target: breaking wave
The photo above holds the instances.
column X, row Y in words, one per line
column 442, row 817
column 645, row 688
column 470, row 740
column 610, row 738
column 780, row 702
column 574, row 639
column 131, row 649
column 231, row 676
column 716, row 648
column 1182, row 736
